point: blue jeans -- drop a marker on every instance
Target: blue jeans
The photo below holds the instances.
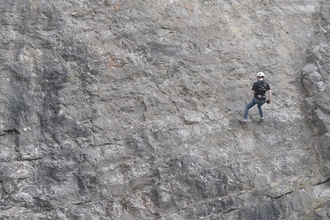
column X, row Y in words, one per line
column 251, row 104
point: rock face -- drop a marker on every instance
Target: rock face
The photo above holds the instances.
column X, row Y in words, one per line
column 129, row 109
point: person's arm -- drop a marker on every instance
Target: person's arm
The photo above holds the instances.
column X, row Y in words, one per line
column 269, row 94
column 254, row 88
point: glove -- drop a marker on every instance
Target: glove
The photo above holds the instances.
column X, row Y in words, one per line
column 268, row 101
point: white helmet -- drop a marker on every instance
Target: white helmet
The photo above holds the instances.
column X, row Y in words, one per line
column 260, row 74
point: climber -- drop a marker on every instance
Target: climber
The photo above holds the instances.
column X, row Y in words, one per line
column 259, row 89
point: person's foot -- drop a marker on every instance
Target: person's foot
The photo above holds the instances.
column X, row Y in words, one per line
column 262, row 119
column 242, row 121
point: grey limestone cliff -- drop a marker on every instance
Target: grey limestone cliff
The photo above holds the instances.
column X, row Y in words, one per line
column 129, row 109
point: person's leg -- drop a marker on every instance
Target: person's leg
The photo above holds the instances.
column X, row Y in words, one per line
column 260, row 103
column 248, row 106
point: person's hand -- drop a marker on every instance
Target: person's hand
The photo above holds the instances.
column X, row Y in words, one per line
column 268, row 101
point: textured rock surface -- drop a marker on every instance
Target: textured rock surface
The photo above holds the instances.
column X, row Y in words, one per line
column 129, row 109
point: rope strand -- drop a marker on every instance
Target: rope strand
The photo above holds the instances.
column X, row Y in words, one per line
column 254, row 67
column 251, row 43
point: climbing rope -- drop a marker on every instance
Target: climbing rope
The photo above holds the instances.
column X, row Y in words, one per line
column 282, row 177
column 250, row 33
column 254, row 67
